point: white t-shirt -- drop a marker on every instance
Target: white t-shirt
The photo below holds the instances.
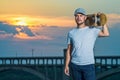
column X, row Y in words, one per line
column 82, row 40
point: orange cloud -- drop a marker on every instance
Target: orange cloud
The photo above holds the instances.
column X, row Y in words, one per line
column 113, row 19
column 3, row 36
column 18, row 29
column 37, row 20
column 24, row 36
column 36, row 24
column 26, row 20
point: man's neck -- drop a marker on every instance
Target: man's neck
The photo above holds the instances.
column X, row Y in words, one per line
column 81, row 26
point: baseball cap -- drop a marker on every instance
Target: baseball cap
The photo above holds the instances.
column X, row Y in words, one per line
column 80, row 11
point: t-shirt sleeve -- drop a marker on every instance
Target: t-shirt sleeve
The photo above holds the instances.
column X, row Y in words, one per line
column 68, row 39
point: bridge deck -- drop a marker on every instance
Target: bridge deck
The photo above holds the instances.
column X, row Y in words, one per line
column 56, row 64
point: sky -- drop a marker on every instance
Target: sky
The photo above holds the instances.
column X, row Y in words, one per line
column 41, row 26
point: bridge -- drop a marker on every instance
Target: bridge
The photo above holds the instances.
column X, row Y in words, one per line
column 45, row 68
column 51, row 68
column 107, row 66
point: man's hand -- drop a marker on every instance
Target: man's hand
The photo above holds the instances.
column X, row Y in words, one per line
column 104, row 32
column 66, row 70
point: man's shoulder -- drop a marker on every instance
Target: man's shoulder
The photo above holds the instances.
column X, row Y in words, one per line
column 94, row 27
column 72, row 30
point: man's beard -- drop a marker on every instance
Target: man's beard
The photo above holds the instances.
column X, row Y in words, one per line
column 80, row 23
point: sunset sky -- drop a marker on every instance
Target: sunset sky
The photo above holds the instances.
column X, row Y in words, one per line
column 42, row 26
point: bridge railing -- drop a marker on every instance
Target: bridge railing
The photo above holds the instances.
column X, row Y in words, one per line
column 103, row 63
column 31, row 60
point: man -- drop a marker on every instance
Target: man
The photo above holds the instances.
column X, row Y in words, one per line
column 79, row 62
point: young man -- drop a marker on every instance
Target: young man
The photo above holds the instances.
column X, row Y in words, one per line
column 79, row 62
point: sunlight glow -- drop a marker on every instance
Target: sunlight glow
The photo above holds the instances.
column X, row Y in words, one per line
column 23, row 20
column 20, row 21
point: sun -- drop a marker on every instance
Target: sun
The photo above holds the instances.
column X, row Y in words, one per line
column 21, row 23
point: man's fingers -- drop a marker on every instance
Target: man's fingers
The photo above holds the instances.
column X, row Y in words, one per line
column 67, row 72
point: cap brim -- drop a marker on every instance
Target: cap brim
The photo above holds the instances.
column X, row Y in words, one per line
column 80, row 13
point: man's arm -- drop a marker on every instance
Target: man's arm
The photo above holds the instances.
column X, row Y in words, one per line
column 68, row 56
column 104, row 32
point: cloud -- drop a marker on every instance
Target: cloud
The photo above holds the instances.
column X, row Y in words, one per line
column 113, row 19
column 20, row 32
column 43, row 31
column 5, row 36
column 62, row 21
column 24, row 36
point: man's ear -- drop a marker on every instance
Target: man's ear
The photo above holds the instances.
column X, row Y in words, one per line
column 85, row 17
